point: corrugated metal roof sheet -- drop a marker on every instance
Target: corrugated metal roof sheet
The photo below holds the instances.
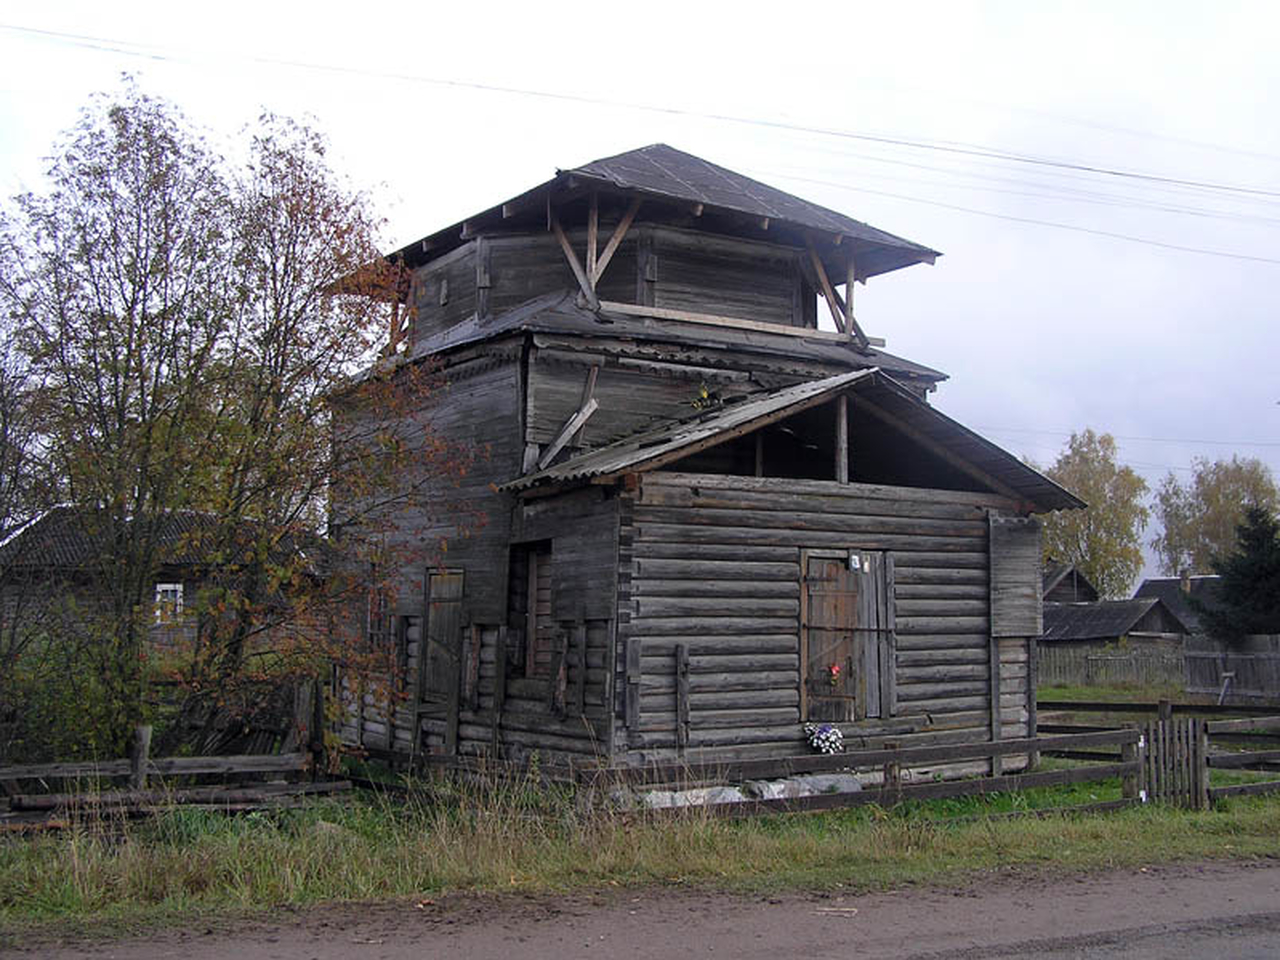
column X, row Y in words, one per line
column 671, row 441
column 559, row 314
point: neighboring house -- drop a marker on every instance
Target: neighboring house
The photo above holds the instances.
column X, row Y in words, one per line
column 55, row 555
column 1175, row 593
column 1141, row 623
column 1064, row 583
column 708, row 520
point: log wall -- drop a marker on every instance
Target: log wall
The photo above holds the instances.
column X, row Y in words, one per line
column 712, row 564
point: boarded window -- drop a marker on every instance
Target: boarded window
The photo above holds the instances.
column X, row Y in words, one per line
column 847, row 640
column 1015, row 577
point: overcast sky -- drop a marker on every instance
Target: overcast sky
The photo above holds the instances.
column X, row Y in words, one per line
column 1047, row 319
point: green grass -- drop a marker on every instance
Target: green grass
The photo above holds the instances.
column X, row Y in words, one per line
column 522, row 838
column 1129, row 693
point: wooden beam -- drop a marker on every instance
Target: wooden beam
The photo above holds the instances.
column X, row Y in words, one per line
column 851, row 324
column 610, row 248
column 759, row 453
column 571, row 426
column 697, row 209
column 764, row 224
column 939, row 450
column 842, row 439
column 574, row 263
column 588, row 392
column 593, row 237
column 715, row 320
column 824, row 285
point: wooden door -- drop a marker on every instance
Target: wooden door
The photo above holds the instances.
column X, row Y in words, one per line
column 439, row 663
column 846, row 637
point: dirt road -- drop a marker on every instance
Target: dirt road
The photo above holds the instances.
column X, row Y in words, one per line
column 1227, row 911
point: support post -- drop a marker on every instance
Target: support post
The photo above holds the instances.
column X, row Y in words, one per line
column 682, row 696
column 842, row 439
column 593, row 238
column 759, row 453
column 584, row 283
column 1129, row 783
column 996, row 763
column 499, row 692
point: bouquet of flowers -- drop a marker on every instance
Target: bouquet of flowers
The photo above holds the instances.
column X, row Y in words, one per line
column 824, row 737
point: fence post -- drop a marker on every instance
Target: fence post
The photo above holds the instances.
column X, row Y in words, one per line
column 1200, row 755
column 892, row 777
column 1129, row 784
column 139, row 753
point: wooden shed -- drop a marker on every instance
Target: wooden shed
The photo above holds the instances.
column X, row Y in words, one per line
column 708, row 520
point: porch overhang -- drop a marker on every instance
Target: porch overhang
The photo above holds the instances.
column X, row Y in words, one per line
column 873, row 391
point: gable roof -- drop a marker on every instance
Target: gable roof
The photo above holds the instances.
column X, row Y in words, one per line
column 1099, row 620
column 664, row 173
column 655, row 447
column 1169, row 591
column 1057, row 571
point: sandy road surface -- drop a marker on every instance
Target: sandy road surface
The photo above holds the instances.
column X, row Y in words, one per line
column 1223, row 911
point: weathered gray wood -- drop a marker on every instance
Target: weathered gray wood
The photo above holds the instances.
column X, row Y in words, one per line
column 1015, row 577
column 619, row 232
column 682, row 695
column 633, row 679
column 659, row 571
column 709, row 586
column 675, row 478
column 842, row 439
column 796, row 517
column 715, row 606
column 499, row 691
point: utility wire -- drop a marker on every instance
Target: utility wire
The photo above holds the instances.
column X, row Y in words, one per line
column 958, row 148
column 1043, row 223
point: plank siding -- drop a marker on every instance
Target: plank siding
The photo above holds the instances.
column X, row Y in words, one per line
column 443, row 292
column 631, row 394
column 729, row 278
column 714, row 566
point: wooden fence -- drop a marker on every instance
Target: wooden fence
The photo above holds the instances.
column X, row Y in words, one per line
column 1248, row 674
column 895, row 767
column 1179, row 747
column 1062, row 665
column 1251, row 674
column 33, row 796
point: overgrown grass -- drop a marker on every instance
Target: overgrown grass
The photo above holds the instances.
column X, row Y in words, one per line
column 520, row 837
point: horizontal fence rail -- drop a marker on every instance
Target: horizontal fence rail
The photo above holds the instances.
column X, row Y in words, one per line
column 1185, row 741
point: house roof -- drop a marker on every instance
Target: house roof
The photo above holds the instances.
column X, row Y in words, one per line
column 558, row 313
column 1097, row 620
column 675, row 439
column 1169, row 591
column 73, row 537
column 665, row 173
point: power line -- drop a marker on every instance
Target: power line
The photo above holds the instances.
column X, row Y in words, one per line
column 1116, row 436
column 953, row 147
column 1042, row 223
